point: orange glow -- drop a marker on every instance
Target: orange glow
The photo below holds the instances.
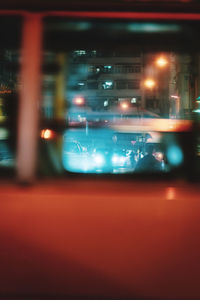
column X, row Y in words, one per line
column 149, row 83
column 161, row 62
column 106, row 14
column 123, row 15
column 124, row 106
column 47, row 134
column 159, row 156
column 151, row 125
column 170, row 193
column 6, row 92
column 79, row 100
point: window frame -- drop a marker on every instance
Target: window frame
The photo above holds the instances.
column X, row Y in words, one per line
column 30, row 73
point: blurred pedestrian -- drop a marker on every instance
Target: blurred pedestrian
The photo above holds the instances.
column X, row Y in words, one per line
column 149, row 163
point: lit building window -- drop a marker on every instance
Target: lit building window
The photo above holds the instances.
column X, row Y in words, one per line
column 107, row 69
column 133, row 100
column 93, row 53
column 94, row 69
column 107, row 85
column 77, row 86
column 105, row 103
column 81, row 85
column 79, row 53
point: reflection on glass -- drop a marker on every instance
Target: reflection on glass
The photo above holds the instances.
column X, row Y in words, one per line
column 149, row 85
column 122, row 105
column 105, row 150
column 10, row 32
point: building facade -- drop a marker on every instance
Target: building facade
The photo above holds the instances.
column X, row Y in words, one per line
column 105, row 80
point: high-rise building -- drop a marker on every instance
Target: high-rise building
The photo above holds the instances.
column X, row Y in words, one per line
column 105, row 79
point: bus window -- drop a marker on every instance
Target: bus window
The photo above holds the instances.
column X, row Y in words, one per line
column 119, row 92
column 10, row 32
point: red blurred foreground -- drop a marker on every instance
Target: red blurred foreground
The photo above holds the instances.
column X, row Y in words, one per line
column 88, row 237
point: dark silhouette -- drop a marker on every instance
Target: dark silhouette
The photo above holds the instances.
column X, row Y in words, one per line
column 149, row 163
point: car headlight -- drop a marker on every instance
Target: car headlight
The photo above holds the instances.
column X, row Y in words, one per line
column 118, row 160
column 115, row 159
column 99, row 159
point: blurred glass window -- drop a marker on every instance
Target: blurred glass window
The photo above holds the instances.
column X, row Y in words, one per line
column 136, row 100
column 10, row 32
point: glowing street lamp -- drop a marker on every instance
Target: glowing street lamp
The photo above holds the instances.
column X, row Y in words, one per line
column 47, row 134
column 161, row 62
column 124, row 106
column 79, row 101
column 149, row 83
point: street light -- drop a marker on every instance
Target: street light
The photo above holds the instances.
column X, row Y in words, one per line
column 124, row 106
column 161, row 62
column 149, row 83
column 79, row 100
column 149, row 90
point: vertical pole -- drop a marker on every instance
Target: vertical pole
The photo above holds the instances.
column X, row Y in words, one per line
column 60, row 88
column 60, row 103
column 142, row 89
column 29, row 96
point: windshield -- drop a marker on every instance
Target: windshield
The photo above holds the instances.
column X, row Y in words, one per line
column 126, row 94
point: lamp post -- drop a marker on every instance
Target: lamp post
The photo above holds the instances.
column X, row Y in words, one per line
column 149, row 83
column 161, row 62
column 124, row 107
column 155, row 83
column 162, row 67
column 79, row 101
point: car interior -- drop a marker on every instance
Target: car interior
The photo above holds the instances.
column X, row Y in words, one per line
column 100, row 149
